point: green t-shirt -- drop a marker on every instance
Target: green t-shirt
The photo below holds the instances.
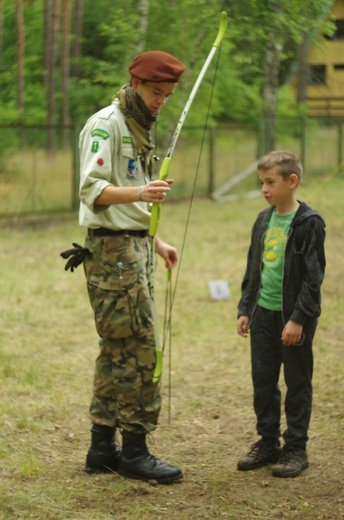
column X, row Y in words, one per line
column 275, row 241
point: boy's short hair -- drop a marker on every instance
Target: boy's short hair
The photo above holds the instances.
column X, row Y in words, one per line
column 286, row 163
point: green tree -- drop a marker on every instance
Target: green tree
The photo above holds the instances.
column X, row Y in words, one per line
column 262, row 44
column 268, row 35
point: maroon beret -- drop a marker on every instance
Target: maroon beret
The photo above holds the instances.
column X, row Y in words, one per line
column 157, row 66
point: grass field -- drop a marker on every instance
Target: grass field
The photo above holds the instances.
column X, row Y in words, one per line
column 47, row 350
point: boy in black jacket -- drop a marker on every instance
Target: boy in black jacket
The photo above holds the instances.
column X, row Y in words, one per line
column 280, row 306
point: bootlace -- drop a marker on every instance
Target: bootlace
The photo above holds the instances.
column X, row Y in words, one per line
column 259, row 447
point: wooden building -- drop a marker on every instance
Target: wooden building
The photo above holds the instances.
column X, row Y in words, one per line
column 325, row 89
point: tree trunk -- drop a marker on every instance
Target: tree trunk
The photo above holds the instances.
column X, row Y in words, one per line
column 20, row 57
column 303, row 69
column 143, row 10
column 47, row 40
column 65, row 71
column 1, row 30
column 270, row 84
column 77, row 38
column 54, row 16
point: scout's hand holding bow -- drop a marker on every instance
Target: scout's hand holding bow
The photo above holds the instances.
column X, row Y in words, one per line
column 154, row 192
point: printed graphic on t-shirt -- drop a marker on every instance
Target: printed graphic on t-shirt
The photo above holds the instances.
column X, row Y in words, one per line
column 275, row 243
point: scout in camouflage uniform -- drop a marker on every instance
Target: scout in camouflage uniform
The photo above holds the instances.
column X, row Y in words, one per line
column 115, row 192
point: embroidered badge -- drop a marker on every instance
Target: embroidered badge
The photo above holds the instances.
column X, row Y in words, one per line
column 126, row 139
column 98, row 132
column 95, row 146
column 132, row 170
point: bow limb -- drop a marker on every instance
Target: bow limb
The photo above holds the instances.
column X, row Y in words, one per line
column 163, row 174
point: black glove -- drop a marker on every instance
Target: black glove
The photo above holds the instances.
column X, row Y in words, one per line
column 77, row 256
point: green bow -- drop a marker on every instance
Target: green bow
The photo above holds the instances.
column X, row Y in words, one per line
column 163, row 173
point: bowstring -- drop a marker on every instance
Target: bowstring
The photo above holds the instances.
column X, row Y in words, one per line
column 170, row 293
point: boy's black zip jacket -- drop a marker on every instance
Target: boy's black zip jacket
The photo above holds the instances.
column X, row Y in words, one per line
column 303, row 270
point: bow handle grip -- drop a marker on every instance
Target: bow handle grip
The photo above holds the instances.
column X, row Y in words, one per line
column 156, row 208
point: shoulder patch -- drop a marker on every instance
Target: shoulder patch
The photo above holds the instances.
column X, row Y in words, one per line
column 126, row 139
column 98, row 132
column 95, row 146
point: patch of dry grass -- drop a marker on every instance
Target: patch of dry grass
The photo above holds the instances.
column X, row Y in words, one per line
column 36, row 180
column 47, row 349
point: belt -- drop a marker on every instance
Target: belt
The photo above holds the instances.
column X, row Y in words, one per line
column 103, row 232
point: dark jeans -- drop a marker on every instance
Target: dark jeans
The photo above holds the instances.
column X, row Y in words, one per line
column 267, row 355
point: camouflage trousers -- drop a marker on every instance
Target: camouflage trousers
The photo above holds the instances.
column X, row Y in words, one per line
column 118, row 283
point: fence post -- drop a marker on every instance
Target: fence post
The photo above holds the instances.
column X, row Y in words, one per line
column 211, row 177
column 303, row 141
column 261, row 138
column 76, row 168
column 340, row 143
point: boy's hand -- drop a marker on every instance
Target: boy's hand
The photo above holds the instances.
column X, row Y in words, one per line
column 242, row 326
column 292, row 333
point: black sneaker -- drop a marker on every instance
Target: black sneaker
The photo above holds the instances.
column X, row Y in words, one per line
column 261, row 454
column 291, row 463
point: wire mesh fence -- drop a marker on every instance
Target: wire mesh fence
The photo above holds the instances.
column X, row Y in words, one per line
column 39, row 168
column 36, row 175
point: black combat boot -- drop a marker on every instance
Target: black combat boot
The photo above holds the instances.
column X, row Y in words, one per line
column 137, row 462
column 103, row 455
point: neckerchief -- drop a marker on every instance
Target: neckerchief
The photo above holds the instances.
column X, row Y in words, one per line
column 139, row 121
